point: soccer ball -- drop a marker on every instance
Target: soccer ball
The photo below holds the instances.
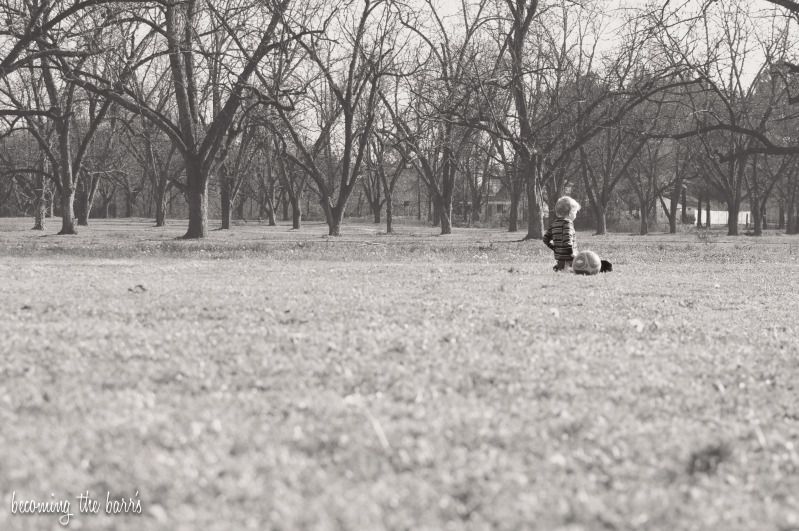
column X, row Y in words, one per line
column 586, row 263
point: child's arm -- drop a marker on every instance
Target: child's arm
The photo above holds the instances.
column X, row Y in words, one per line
column 548, row 238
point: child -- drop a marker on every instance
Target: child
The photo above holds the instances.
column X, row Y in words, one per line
column 560, row 235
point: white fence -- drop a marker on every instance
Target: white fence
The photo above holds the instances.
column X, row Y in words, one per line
column 719, row 217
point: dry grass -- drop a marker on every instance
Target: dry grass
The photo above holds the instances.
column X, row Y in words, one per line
column 268, row 379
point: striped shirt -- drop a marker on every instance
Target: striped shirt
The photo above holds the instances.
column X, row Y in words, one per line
column 560, row 238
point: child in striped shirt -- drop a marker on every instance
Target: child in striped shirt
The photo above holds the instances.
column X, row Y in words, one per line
column 560, row 235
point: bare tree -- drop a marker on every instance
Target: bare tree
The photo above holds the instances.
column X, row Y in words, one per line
column 35, row 29
column 267, row 182
column 351, row 75
column 733, row 115
column 430, row 97
column 388, row 169
column 683, row 166
column 47, row 89
column 235, row 163
column 604, row 162
column 647, row 177
column 371, row 181
column 156, row 156
column 561, row 98
column 476, row 170
column 521, row 14
column 27, row 176
column 177, row 30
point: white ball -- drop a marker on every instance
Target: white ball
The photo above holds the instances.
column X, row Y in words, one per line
column 586, row 263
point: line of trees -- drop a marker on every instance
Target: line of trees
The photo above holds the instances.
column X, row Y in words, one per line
column 279, row 103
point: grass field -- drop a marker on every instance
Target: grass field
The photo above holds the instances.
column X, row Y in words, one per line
column 270, row 379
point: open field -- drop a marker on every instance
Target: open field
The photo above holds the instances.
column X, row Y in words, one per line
column 270, row 379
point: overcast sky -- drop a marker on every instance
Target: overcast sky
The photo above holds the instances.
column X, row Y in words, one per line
column 614, row 11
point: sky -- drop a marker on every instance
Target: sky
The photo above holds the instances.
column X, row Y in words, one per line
column 615, row 10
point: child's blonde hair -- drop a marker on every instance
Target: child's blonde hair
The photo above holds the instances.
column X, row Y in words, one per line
column 566, row 207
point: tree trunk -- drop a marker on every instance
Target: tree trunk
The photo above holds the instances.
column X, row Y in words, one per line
column 446, row 215
column 87, row 196
column 448, row 168
column 197, row 197
column 595, row 199
column 699, row 211
column 535, row 218
column 296, row 213
column 795, row 225
column 286, row 202
column 224, row 196
column 66, row 176
column 240, row 208
column 68, row 212
column 334, row 215
column 270, row 211
column 757, row 218
column 40, row 211
column 446, row 224
column 373, row 197
column 436, row 218
column 327, row 209
column 684, row 211
column 732, row 218
column 475, row 213
column 418, row 197
column 674, row 202
column 673, row 223
column 781, row 216
column 791, row 217
column 389, row 214
column 707, row 211
column 600, row 216
column 82, row 207
column 40, row 204
column 160, row 205
column 376, row 210
column 644, row 210
column 513, row 215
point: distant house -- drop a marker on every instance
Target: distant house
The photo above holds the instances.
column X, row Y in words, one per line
column 717, row 217
column 497, row 205
column 719, row 214
column 410, row 195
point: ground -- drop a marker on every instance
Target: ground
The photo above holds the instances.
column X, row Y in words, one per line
column 270, row 379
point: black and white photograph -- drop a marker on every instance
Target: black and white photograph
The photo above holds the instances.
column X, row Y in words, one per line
column 399, row 265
